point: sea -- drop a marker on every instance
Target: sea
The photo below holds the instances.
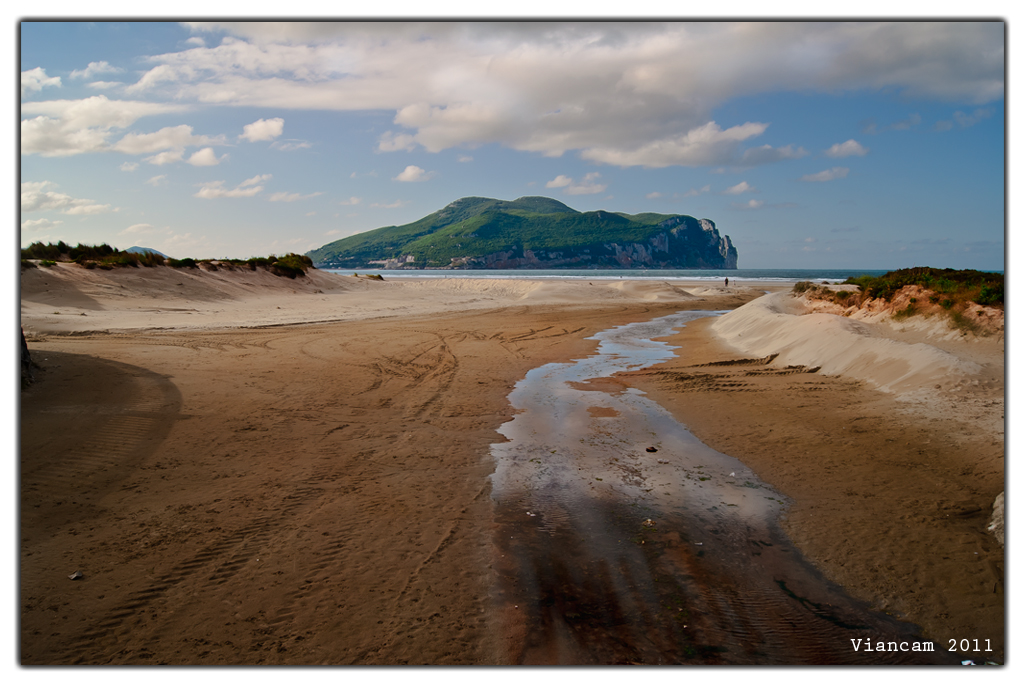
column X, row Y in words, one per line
column 734, row 275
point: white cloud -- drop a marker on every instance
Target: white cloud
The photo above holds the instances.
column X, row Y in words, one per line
column 705, row 145
column 98, row 111
column 847, row 149
column 653, row 196
column 39, row 224
column 129, row 166
column 908, row 123
column 289, row 145
column 105, row 85
column 260, row 178
column 157, row 180
column 168, row 157
column 263, row 129
column 390, row 205
column 394, row 142
column 291, row 197
column 34, row 80
column 587, row 186
column 622, row 93
column 351, row 201
column 214, row 190
column 71, row 127
column 205, row 157
column 160, row 74
column 827, row 174
column 464, row 158
column 168, row 138
column 89, row 209
column 694, row 192
column 766, row 154
column 50, row 138
column 138, row 229
column 95, row 68
column 739, row 188
column 750, row 204
column 967, row 120
column 584, row 187
column 35, row 198
column 413, row 173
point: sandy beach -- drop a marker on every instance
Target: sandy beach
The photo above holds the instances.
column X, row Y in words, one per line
column 248, row 469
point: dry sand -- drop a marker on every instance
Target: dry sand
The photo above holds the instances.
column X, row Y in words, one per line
column 249, row 469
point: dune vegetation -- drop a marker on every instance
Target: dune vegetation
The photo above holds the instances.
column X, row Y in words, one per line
column 104, row 256
column 960, row 294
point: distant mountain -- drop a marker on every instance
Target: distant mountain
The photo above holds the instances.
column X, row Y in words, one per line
column 143, row 250
column 533, row 233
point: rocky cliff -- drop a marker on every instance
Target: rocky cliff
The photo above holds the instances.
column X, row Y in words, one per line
column 679, row 246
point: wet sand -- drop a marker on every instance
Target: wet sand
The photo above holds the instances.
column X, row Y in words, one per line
column 318, row 493
column 889, row 496
column 624, row 539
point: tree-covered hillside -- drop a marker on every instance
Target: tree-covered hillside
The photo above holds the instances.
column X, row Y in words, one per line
column 475, row 231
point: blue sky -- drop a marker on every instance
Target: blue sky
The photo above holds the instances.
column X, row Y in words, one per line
column 871, row 145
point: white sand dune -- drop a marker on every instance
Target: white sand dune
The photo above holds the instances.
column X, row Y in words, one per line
column 68, row 299
column 778, row 324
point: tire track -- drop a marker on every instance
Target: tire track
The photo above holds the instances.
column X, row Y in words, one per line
column 214, row 566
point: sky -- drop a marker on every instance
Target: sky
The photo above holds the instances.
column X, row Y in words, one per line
column 867, row 144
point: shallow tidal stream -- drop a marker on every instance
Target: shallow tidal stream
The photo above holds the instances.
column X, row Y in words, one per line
column 611, row 553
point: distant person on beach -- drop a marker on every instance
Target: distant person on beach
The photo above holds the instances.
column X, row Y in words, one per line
column 727, row 283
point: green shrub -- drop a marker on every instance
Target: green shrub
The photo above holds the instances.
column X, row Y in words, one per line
column 103, row 255
column 106, row 257
column 41, row 251
column 294, row 264
column 965, row 285
column 802, row 286
column 991, row 294
column 150, row 259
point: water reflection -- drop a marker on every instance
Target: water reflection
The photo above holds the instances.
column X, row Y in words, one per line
column 623, row 539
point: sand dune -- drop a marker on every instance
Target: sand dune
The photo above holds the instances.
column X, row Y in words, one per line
column 67, row 298
column 779, row 324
